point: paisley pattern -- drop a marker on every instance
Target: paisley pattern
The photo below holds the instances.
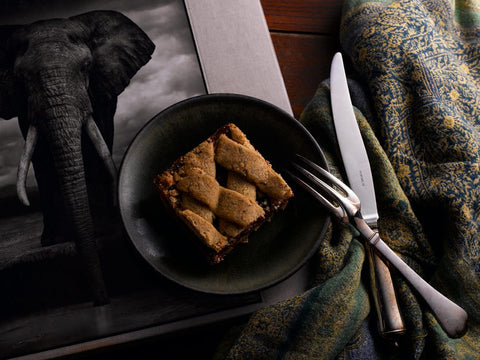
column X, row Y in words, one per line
column 418, row 63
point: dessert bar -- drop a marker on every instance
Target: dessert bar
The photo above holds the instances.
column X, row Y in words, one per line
column 223, row 190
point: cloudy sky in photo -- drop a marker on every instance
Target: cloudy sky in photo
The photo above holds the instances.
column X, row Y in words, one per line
column 172, row 74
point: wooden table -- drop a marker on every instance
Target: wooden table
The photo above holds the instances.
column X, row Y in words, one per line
column 305, row 37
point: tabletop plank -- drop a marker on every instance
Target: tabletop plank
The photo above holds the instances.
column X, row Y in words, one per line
column 305, row 62
column 306, row 16
column 305, row 38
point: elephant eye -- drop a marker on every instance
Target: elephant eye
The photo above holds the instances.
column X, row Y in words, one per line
column 74, row 38
column 85, row 66
column 77, row 35
column 18, row 67
column 22, row 49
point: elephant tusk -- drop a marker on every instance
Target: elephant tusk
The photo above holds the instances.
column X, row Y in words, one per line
column 102, row 149
column 24, row 164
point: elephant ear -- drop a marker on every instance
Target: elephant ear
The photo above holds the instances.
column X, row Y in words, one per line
column 119, row 48
column 8, row 100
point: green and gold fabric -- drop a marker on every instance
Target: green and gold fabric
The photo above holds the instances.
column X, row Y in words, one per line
column 417, row 63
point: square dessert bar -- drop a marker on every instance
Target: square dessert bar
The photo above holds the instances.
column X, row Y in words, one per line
column 223, row 190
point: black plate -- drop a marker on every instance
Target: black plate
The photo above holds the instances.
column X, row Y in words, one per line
column 274, row 252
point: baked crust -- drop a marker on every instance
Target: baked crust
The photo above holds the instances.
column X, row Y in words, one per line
column 223, row 190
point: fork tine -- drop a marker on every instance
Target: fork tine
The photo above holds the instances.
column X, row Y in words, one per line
column 335, row 209
column 348, row 200
column 350, row 194
column 343, row 210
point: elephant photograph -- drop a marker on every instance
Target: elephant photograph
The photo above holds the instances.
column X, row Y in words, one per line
column 78, row 80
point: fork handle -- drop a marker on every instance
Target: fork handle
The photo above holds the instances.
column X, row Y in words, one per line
column 451, row 317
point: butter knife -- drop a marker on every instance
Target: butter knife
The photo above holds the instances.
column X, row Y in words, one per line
column 357, row 168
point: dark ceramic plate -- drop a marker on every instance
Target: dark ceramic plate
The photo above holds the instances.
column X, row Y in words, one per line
column 274, row 252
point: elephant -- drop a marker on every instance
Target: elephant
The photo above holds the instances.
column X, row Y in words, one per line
column 61, row 78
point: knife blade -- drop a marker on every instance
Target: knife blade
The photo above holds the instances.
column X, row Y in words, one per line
column 359, row 175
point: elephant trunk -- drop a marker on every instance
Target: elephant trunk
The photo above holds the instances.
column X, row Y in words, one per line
column 66, row 149
column 53, row 117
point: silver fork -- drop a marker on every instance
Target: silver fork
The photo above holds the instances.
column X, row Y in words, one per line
column 341, row 201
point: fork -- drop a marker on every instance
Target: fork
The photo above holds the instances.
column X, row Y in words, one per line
column 342, row 202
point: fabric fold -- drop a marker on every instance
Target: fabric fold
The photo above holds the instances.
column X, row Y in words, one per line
column 289, row 330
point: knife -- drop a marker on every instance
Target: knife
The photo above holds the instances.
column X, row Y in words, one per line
column 359, row 175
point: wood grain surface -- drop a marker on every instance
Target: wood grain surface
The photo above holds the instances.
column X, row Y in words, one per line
column 305, row 37
column 305, row 62
column 305, row 16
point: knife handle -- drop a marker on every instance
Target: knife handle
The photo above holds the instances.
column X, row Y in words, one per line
column 451, row 317
column 389, row 320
